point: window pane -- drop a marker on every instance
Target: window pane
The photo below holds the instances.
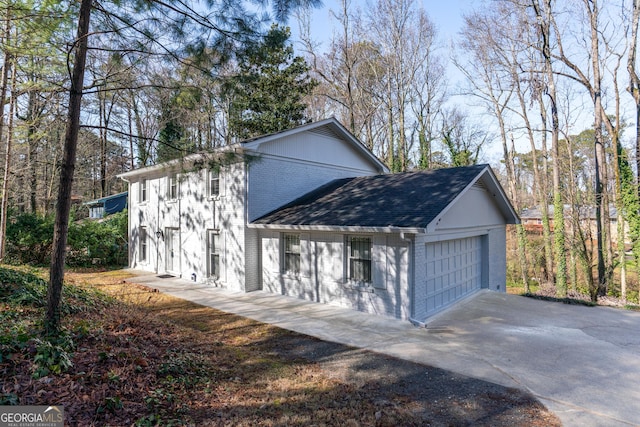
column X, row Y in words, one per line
column 214, row 183
column 292, row 243
column 360, row 259
column 292, row 263
column 215, row 266
column 143, row 190
column 291, row 259
column 173, row 187
column 213, row 253
column 361, row 247
column 143, row 244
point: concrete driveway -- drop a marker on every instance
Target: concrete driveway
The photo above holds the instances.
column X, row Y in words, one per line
column 583, row 363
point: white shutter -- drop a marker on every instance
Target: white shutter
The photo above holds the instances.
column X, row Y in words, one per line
column 271, row 252
column 379, row 261
column 222, row 180
column 305, row 255
column 223, row 255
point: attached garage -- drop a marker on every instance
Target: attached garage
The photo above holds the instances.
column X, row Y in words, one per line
column 432, row 238
column 454, row 270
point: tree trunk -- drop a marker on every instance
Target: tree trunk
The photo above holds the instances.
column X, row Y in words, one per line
column 544, row 19
column 543, row 198
column 61, row 227
column 3, row 94
column 634, row 80
column 7, row 163
column 600, row 157
column 32, row 143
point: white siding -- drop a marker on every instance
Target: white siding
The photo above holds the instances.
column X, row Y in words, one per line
column 192, row 214
column 323, row 277
column 319, row 147
column 274, row 182
column 474, row 208
column 496, row 268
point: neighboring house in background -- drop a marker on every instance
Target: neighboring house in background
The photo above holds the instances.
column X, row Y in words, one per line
column 532, row 221
column 314, row 214
column 99, row 208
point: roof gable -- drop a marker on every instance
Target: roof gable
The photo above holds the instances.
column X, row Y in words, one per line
column 404, row 200
column 325, row 141
column 330, row 129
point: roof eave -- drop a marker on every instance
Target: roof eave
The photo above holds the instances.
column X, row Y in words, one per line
column 126, row 176
column 338, row 228
column 254, row 144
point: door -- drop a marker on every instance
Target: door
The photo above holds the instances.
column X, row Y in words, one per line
column 454, row 270
column 172, row 250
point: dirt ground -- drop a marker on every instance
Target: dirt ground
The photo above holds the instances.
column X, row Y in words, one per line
column 158, row 360
column 433, row 396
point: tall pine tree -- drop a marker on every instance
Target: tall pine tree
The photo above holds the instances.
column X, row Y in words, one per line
column 267, row 95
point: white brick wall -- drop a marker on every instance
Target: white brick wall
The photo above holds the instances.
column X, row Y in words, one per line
column 325, row 280
column 274, row 182
column 497, row 275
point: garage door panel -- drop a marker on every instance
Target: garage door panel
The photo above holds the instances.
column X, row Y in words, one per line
column 453, row 271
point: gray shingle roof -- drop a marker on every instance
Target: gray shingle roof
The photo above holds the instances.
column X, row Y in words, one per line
column 405, row 200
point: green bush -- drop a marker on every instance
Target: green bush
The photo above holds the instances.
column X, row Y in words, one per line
column 90, row 242
column 99, row 242
column 29, row 238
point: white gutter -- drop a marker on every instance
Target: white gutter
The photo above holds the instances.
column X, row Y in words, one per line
column 177, row 162
column 339, row 228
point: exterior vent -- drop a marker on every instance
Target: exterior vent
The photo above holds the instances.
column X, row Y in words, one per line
column 480, row 185
column 325, row 131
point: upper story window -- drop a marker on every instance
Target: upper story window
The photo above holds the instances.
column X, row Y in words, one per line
column 359, row 258
column 291, row 253
column 143, row 196
column 172, row 188
column 213, row 183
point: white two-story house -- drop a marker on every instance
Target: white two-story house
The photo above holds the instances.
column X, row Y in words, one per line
column 312, row 213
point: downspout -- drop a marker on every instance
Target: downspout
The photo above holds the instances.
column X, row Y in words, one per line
column 246, row 221
column 157, row 229
column 179, row 225
column 128, row 221
column 411, row 278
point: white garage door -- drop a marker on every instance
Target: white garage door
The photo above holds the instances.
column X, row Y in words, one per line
column 453, row 271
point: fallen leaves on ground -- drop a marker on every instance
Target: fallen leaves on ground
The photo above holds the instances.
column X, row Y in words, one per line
column 152, row 359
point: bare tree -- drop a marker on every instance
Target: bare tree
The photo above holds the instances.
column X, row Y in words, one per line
column 543, row 13
column 634, row 78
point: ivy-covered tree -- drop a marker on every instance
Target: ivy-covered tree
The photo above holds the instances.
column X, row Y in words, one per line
column 267, row 94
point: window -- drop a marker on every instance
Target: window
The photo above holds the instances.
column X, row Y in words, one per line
column 291, row 252
column 143, row 191
column 213, row 254
column 172, row 193
column 142, row 255
column 359, row 251
column 214, row 183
